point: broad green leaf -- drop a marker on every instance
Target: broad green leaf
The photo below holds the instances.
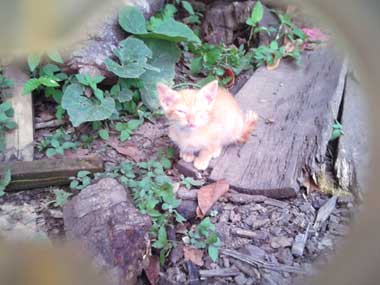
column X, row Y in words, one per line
column 213, row 252
column 34, row 60
column 55, row 56
column 172, row 30
column 61, row 197
column 50, row 152
column 273, row 45
column 134, row 124
column 83, row 173
column 82, row 79
column 30, row 85
column 103, row 133
column 132, row 20
column 10, row 125
column 124, row 135
column 48, row 82
column 164, row 56
column 257, row 13
column 133, row 55
column 120, row 127
column 196, row 65
column 187, row 6
column 81, row 109
column 5, row 106
column 49, row 70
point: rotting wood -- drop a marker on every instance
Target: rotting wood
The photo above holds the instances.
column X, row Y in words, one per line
column 48, row 172
column 301, row 103
column 240, row 198
column 275, row 203
column 48, row 124
column 324, row 213
column 19, row 142
column 259, row 263
column 353, row 148
column 221, row 272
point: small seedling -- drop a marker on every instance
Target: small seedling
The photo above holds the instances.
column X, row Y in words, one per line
column 6, row 122
column 60, row 198
column 81, row 181
column 57, row 143
column 126, row 129
column 92, row 81
column 188, row 182
column 5, row 180
column 337, row 130
column 204, row 236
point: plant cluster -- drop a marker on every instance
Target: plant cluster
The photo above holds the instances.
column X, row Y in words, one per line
column 57, row 143
column 5, row 179
column 6, row 110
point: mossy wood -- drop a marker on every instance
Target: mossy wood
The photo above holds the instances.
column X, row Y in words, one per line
column 48, row 172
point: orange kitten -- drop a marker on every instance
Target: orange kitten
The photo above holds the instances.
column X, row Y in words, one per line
column 203, row 121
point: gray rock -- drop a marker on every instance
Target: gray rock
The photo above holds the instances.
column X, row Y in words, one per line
column 104, row 221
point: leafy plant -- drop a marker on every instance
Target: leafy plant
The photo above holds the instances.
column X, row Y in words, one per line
column 5, row 83
column 35, row 59
column 60, row 197
column 127, row 128
column 6, row 122
column 188, row 182
column 337, row 130
column 81, row 180
column 57, row 143
column 215, row 60
column 204, row 236
column 82, row 109
column 5, row 180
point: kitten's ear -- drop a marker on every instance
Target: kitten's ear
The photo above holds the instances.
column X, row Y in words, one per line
column 167, row 96
column 209, row 91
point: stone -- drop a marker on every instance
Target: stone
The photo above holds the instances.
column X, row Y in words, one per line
column 187, row 209
column 277, row 242
column 240, row 279
column 104, row 222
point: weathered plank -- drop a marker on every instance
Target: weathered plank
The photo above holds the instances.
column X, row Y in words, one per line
column 297, row 106
column 353, row 149
column 48, row 172
column 19, row 142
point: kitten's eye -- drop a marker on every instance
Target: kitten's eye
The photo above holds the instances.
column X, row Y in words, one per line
column 181, row 111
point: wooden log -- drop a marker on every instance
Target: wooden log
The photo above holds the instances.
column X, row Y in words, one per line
column 353, row 148
column 19, row 142
column 298, row 105
column 104, row 222
column 48, row 172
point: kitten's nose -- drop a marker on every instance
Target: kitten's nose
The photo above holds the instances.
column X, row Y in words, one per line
column 190, row 122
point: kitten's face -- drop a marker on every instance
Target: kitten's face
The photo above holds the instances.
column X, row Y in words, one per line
column 188, row 108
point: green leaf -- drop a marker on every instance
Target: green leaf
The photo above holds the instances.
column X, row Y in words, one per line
column 50, row 152
column 196, row 65
column 48, row 82
column 81, row 109
column 103, row 133
column 74, row 184
column 133, row 55
column 55, row 56
column 257, row 13
column 162, row 238
column 30, row 85
column 172, row 30
column 213, row 252
column 164, row 56
column 132, row 20
column 49, row 70
column 120, row 127
column 83, row 173
column 124, row 135
column 61, row 197
column 188, row 7
column 5, row 180
column 134, row 124
column 34, row 60
column 166, row 163
column 273, row 45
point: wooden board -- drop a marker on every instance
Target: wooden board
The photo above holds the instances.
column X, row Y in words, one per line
column 19, row 142
column 48, row 172
column 297, row 106
column 353, row 149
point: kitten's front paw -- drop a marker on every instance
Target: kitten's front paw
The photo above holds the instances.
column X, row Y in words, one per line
column 187, row 156
column 201, row 164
